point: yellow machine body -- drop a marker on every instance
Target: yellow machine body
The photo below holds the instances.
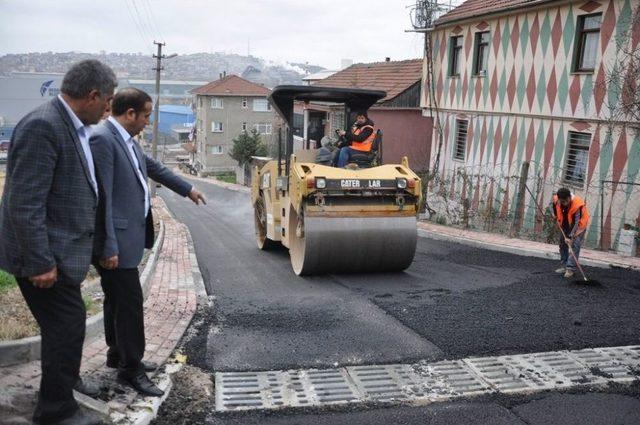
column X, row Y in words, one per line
column 336, row 220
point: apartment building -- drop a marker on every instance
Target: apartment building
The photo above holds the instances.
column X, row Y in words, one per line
column 224, row 109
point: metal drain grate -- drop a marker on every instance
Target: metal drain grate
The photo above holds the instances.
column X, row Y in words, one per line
column 506, row 374
column 384, row 383
column 617, row 363
column 329, row 386
column 560, row 369
column 426, row 382
column 448, row 379
column 274, row 389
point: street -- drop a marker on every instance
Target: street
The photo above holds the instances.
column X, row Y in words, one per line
column 453, row 302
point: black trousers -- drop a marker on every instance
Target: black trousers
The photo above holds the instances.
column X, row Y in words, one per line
column 123, row 318
column 61, row 315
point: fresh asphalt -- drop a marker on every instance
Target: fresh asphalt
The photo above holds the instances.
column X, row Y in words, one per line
column 454, row 301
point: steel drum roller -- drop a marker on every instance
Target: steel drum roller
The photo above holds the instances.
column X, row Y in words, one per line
column 352, row 244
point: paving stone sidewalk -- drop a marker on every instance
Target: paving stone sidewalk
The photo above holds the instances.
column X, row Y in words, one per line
column 497, row 242
column 169, row 308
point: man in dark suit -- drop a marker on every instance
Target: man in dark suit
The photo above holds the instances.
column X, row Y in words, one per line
column 125, row 228
column 47, row 220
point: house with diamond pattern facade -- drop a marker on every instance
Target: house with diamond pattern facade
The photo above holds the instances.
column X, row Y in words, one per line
column 535, row 81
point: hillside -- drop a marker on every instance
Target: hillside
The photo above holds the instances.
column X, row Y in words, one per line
column 197, row 66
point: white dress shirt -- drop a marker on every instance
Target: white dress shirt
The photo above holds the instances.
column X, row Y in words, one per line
column 84, row 133
column 129, row 142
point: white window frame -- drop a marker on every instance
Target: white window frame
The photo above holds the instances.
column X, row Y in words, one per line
column 245, row 103
column 261, row 101
column 583, row 35
column 268, row 127
column 217, row 103
column 216, row 127
column 244, row 126
column 576, row 159
column 216, row 150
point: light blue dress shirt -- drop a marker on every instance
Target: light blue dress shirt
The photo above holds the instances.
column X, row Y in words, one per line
column 129, row 141
column 84, row 133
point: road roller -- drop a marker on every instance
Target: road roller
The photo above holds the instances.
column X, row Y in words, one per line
column 361, row 218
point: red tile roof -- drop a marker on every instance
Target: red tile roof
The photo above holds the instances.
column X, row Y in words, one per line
column 392, row 77
column 232, row 85
column 477, row 8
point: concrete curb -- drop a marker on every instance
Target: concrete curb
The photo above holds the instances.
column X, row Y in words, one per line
column 28, row 349
column 517, row 250
column 198, row 281
column 146, row 411
column 230, row 186
column 145, row 277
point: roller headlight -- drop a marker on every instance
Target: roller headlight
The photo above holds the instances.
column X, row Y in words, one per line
column 321, row 183
column 401, row 183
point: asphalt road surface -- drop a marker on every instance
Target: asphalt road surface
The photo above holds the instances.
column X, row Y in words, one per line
column 454, row 301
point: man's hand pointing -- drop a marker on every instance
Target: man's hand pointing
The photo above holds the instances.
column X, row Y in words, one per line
column 196, row 196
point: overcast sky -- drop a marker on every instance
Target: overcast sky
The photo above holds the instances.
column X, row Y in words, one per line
column 315, row 31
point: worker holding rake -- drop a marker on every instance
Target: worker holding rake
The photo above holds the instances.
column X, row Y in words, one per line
column 572, row 216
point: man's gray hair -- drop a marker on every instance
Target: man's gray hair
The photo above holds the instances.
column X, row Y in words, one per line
column 88, row 75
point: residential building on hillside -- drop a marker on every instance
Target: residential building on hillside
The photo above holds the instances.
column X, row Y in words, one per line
column 224, row 109
column 405, row 131
column 519, row 81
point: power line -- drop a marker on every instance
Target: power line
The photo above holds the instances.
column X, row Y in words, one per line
column 152, row 18
column 144, row 25
column 138, row 28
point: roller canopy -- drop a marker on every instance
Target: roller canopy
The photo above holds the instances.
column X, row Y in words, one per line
column 282, row 98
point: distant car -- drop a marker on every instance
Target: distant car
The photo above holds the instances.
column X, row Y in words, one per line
column 4, row 145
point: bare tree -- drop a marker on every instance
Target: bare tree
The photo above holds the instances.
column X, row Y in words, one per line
column 624, row 75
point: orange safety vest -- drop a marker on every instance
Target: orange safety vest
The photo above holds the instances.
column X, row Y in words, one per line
column 367, row 144
column 577, row 203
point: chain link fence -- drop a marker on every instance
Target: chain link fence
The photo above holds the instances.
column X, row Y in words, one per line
column 498, row 200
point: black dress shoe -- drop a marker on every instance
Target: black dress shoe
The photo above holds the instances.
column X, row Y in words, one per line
column 87, row 388
column 141, row 383
column 112, row 363
column 147, row 366
column 150, row 366
column 81, row 417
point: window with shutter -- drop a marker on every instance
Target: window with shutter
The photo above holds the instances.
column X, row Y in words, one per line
column 460, row 145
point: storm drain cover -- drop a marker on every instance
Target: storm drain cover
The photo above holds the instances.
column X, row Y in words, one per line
column 383, row 383
column 426, row 382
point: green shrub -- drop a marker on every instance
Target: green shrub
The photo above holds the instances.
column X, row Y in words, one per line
column 6, row 281
column 226, row 177
column 88, row 302
column 247, row 145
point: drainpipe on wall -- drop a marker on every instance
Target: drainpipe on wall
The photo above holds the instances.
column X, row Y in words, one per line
column 305, row 126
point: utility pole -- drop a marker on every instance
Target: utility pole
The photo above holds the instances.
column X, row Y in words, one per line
column 156, row 107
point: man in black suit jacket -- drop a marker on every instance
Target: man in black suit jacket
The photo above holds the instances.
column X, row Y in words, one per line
column 125, row 228
column 47, row 220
